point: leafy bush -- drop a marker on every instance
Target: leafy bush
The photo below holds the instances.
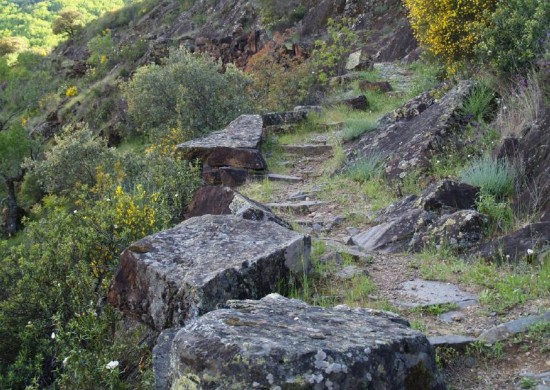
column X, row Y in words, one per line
column 331, row 53
column 73, row 159
column 494, row 177
column 516, row 35
column 190, row 92
column 448, row 28
column 280, row 82
column 62, row 333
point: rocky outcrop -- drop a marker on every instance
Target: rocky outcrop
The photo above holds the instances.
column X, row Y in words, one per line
column 216, row 200
column 414, row 133
column 441, row 215
column 278, row 343
column 237, row 146
column 172, row 277
column 520, row 244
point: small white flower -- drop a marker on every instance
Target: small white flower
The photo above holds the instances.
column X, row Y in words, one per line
column 530, row 251
column 108, row 199
column 112, row 364
column 65, row 361
column 53, row 335
column 507, row 256
column 74, row 211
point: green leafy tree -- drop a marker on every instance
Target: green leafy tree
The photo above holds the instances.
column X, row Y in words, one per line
column 68, row 22
column 189, row 91
column 14, row 148
column 73, row 160
column 11, row 45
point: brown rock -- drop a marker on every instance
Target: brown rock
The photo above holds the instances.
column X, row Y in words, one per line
column 357, row 103
column 375, row 86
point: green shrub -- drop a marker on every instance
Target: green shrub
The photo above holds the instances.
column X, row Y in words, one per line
column 366, row 168
column 189, row 91
column 330, row 54
column 494, row 177
column 516, row 35
column 76, row 154
column 500, row 214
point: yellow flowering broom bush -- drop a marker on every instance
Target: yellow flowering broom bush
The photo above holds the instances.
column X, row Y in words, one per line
column 448, row 28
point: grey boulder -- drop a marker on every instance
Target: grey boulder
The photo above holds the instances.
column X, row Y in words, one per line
column 279, row 343
column 172, row 277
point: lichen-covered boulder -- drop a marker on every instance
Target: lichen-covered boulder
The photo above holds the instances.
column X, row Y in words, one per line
column 442, row 214
column 414, row 133
column 238, row 145
column 393, row 235
column 279, row 343
column 173, row 276
column 460, row 230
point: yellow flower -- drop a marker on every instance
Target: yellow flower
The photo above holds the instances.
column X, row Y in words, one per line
column 71, row 91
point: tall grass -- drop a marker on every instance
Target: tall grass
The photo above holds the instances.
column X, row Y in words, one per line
column 480, row 103
column 521, row 107
column 366, row 168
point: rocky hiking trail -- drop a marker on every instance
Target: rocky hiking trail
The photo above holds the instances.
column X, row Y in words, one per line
column 277, row 214
column 457, row 318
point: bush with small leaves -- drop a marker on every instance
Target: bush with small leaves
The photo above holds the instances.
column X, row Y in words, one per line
column 518, row 33
column 189, row 91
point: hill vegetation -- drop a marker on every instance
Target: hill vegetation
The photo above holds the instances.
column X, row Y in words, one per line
column 87, row 136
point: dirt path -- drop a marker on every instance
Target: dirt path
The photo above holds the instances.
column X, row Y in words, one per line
column 343, row 210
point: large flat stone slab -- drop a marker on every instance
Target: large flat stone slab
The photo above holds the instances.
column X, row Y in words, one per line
column 238, row 145
column 279, row 343
column 418, row 293
column 170, row 278
column 511, row 328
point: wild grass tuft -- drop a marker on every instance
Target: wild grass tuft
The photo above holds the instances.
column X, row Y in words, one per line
column 357, row 127
column 494, row 177
column 500, row 214
column 520, row 107
column 366, row 168
column 480, row 103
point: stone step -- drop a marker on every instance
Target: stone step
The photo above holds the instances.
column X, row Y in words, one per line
column 303, row 207
column 307, row 150
column 278, row 177
column 331, row 126
column 237, row 146
column 451, row 341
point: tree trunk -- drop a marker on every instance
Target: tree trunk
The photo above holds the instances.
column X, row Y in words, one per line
column 14, row 214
